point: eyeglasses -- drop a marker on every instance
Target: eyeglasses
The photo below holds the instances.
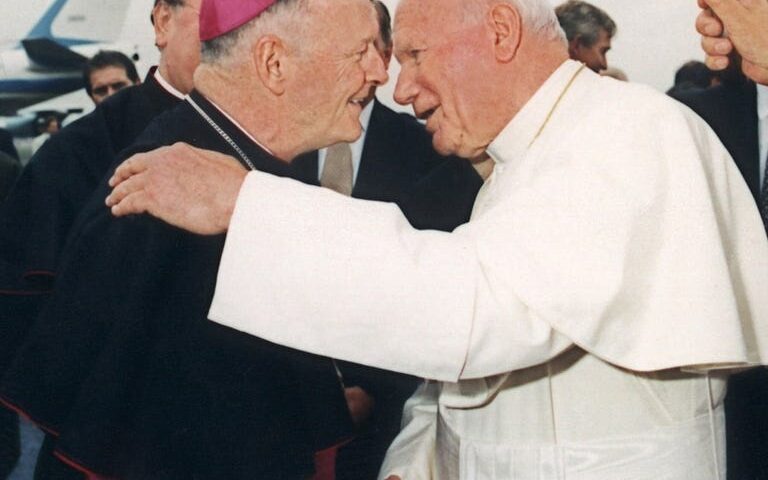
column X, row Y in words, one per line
column 103, row 90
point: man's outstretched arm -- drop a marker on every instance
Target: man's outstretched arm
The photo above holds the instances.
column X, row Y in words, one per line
column 424, row 291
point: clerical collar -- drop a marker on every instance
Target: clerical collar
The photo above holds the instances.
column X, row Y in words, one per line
column 237, row 124
column 365, row 116
column 521, row 131
column 167, row 86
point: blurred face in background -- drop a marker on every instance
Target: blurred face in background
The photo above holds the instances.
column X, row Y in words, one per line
column 593, row 56
column 177, row 35
column 107, row 81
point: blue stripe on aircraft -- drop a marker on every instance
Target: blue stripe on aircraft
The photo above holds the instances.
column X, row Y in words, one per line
column 42, row 28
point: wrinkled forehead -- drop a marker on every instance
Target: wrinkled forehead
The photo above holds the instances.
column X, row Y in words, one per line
column 347, row 18
column 425, row 22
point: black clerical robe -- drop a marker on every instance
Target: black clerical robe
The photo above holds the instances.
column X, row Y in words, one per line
column 124, row 367
column 37, row 216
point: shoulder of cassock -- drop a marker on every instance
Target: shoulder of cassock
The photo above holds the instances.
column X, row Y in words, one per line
column 627, row 227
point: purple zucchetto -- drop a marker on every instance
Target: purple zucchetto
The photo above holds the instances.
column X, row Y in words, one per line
column 218, row 17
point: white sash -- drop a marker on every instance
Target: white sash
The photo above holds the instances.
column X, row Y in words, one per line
column 679, row 452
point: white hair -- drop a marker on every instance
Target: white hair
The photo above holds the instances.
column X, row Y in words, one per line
column 538, row 15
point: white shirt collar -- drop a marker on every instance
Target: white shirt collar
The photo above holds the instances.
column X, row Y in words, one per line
column 762, row 126
column 365, row 117
column 517, row 136
column 167, row 86
column 240, row 127
column 762, row 101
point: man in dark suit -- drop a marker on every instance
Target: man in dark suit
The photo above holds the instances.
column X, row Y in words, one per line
column 731, row 109
column 392, row 161
column 6, row 144
column 40, row 211
column 9, row 163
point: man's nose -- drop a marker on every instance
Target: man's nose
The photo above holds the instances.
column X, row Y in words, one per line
column 406, row 88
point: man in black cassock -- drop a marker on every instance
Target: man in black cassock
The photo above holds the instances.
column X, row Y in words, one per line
column 54, row 187
column 123, row 365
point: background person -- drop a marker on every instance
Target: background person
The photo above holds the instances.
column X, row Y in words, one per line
column 108, row 72
column 40, row 212
column 589, row 31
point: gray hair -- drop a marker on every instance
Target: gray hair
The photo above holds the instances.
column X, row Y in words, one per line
column 227, row 49
column 584, row 20
column 537, row 15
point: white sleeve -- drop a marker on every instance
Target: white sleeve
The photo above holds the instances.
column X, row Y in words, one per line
column 588, row 240
column 317, row 271
column 411, row 455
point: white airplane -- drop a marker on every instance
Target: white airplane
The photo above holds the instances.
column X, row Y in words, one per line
column 48, row 61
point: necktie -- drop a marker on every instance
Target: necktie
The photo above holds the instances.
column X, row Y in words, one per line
column 337, row 171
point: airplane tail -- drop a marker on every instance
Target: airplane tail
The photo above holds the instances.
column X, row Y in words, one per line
column 68, row 24
column 42, row 28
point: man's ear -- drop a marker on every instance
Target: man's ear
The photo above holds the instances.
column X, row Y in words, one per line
column 507, row 27
column 161, row 20
column 574, row 47
column 269, row 57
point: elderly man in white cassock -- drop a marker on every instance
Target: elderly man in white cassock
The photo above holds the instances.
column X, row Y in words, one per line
column 582, row 325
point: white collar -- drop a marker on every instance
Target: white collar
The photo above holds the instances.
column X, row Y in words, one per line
column 240, row 127
column 167, row 86
column 365, row 115
column 520, row 132
column 762, row 101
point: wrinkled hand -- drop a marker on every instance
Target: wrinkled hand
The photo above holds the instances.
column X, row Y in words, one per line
column 746, row 23
column 360, row 404
column 187, row 187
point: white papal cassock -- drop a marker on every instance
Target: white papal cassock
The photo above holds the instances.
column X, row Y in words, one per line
column 614, row 266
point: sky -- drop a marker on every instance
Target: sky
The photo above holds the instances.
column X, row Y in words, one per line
column 654, row 37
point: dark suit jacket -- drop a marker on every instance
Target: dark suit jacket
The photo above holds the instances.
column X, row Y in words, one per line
column 10, row 168
column 399, row 165
column 731, row 110
column 6, row 144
